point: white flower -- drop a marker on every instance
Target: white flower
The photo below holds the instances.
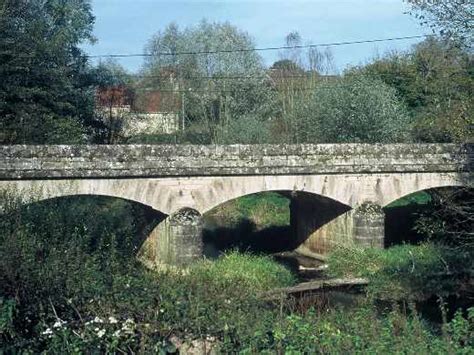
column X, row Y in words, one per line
column 113, row 320
column 101, row 333
column 128, row 325
column 117, row 333
column 98, row 320
column 59, row 323
column 48, row 331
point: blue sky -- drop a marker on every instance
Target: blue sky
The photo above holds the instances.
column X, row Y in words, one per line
column 124, row 26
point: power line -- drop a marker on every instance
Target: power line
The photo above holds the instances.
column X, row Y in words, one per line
column 202, row 91
column 243, row 50
column 316, row 76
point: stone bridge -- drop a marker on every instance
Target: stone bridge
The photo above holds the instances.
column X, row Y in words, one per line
column 337, row 190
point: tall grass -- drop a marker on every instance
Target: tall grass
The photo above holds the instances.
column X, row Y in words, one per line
column 406, row 271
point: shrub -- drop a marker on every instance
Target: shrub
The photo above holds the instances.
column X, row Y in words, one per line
column 405, row 272
column 354, row 110
column 246, row 130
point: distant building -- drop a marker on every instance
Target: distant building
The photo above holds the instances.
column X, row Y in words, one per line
column 139, row 111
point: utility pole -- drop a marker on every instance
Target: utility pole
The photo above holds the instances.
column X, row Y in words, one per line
column 182, row 109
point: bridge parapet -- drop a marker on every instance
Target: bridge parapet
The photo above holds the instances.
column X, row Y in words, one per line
column 121, row 161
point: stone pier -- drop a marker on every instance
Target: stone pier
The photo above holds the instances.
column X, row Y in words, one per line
column 319, row 224
column 176, row 241
column 369, row 225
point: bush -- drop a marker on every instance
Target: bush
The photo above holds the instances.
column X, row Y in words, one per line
column 246, row 130
column 405, row 272
column 354, row 110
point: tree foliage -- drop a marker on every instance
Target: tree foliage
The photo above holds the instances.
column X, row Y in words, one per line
column 216, row 88
column 45, row 84
column 353, row 109
column 453, row 19
column 436, row 82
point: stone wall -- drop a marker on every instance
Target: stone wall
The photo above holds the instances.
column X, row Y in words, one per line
column 150, row 123
column 113, row 161
column 135, row 123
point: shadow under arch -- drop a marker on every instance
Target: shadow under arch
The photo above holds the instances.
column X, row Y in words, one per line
column 97, row 214
column 402, row 214
column 306, row 213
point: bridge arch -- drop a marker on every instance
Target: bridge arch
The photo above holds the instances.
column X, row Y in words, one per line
column 94, row 218
column 140, row 191
column 420, row 185
column 402, row 215
column 308, row 213
column 220, row 190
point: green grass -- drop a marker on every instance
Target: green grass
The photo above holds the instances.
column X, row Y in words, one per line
column 417, row 198
column 255, row 273
column 265, row 209
column 405, row 271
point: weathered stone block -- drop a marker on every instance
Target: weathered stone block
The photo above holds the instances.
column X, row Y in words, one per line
column 59, row 161
column 177, row 240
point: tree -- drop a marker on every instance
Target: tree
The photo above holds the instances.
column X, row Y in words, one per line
column 294, row 77
column 453, row 19
column 353, row 109
column 247, row 130
column 435, row 80
column 115, row 89
column 46, row 93
column 216, row 86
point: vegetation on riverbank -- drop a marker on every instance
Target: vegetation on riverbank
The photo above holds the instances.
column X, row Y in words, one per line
column 406, row 272
column 73, row 285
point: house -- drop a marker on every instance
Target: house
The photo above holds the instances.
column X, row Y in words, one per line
column 139, row 110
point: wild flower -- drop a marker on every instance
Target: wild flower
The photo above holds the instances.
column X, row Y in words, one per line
column 48, row 331
column 113, row 320
column 101, row 333
column 59, row 323
column 128, row 325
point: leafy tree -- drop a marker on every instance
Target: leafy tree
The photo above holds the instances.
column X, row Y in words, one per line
column 294, row 77
column 453, row 19
column 287, row 66
column 216, row 88
column 353, row 109
column 45, row 82
column 115, row 88
column 435, row 80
